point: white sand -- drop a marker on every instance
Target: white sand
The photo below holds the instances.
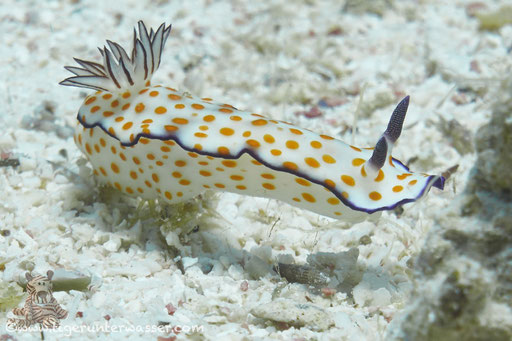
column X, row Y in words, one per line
column 272, row 57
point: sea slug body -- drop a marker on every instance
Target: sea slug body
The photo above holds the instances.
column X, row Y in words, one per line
column 155, row 142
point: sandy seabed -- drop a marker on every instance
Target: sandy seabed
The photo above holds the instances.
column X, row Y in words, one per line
column 288, row 60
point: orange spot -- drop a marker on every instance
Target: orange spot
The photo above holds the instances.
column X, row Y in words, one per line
column 125, row 107
column 117, row 185
column 179, row 194
column 202, row 135
column 268, row 176
column 235, row 118
column 127, row 125
column 203, row 128
column 256, row 162
column 225, row 110
column 236, row 177
column 174, row 97
column 269, row 138
column 268, row 186
column 229, row 163
column 97, row 148
column 148, row 183
column 140, row 190
column 102, row 170
column 102, row 142
column 122, row 156
column 330, row 183
column 203, row 163
column 347, row 179
column 136, row 160
column 198, row 146
column 253, row 143
column 153, row 93
column 397, row 189
column 295, row 131
column 290, row 165
column 144, row 140
column 139, row 107
column 177, row 174
column 403, row 176
column 223, row 150
column 160, row 110
column 95, row 108
column 344, row 195
column 380, row 176
column 80, row 139
column 197, row 106
column 308, row 197
column 108, row 113
column 179, row 120
column 143, row 91
column 227, row 131
column 412, row 182
column 312, row 162
column 114, row 103
column 292, row 144
column 88, row 148
column 155, row 177
column 107, row 96
column 209, row 118
column 325, row 137
column 115, row 168
column 296, row 199
column 355, row 148
column 150, row 156
column 207, row 99
column 219, row 186
column 302, row 182
column 180, row 163
column 165, row 149
column 160, row 163
column 205, row 173
column 133, row 175
column 179, row 106
column 259, row 122
column 316, row 144
column 390, row 159
column 357, row 162
column 333, row 201
column 276, row 152
column 126, row 94
column 328, row 159
column 241, row 187
column 168, row 195
column 91, row 99
column 375, row 196
column 192, row 155
column 148, row 120
column 363, row 172
column 119, row 119
column 170, row 128
column 113, row 150
column 246, row 133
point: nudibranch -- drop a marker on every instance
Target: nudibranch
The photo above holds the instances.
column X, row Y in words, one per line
column 156, row 142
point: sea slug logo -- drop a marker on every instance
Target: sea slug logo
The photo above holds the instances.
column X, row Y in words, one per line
column 40, row 305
